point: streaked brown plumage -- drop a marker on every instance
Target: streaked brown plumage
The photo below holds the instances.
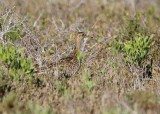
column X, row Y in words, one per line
column 70, row 65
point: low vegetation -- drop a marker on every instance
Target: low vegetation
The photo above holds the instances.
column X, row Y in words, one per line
column 118, row 61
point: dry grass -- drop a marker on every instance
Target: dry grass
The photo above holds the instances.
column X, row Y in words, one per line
column 105, row 84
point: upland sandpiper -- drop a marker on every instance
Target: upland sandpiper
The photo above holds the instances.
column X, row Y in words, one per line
column 71, row 64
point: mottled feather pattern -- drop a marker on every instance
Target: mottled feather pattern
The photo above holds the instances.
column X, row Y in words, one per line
column 70, row 65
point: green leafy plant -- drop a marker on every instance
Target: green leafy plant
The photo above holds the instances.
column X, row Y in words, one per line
column 80, row 56
column 136, row 50
column 133, row 41
column 15, row 61
column 117, row 46
column 89, row 84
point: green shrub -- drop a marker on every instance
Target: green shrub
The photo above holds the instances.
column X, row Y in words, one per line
column 117, row 46
column 133, row 41
column 15, row 61
column 136, row 50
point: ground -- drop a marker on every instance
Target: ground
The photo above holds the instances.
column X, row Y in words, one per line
column 120, row 72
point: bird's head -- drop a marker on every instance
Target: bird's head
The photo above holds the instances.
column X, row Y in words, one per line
column 80, row 42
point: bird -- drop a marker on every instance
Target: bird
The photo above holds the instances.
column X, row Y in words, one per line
column 71, row 64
